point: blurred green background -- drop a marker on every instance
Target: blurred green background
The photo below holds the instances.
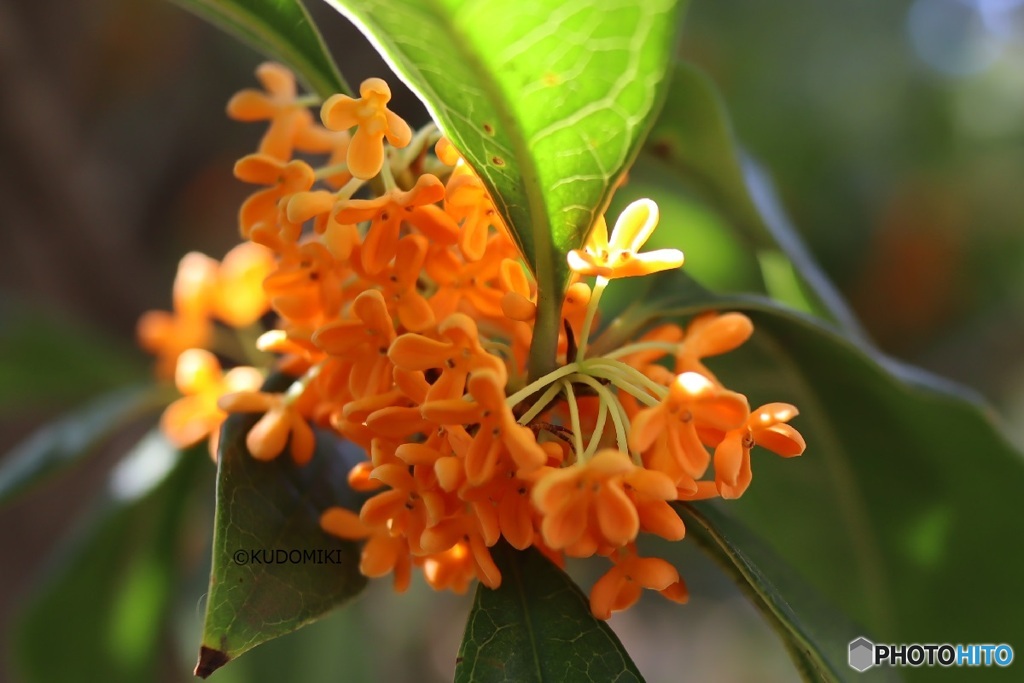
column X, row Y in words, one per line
column 894, row 132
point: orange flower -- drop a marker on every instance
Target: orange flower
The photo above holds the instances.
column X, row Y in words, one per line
column 711, row 334
column 364, row 341
column 498, row 432
column 282, row 179
column 619, row 257
column 375, row 122
column 446, row 152
column 452, row 569
column 399, row 285
column 620, row 587
column 281, row 420
column 306, row 286
column 459, row 284
column 670, row 429
column 167, row 335
column 387, row 213
column 518, row 301
column 382, row 554
column 591, row 500
column 406, row 508
column 765, row 427
column 467, row 201
column 200, row 379
column 456, row 355
column 275, row 104
column 239, row 300
column 477, row 558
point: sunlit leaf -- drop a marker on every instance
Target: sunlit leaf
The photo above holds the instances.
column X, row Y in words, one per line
column 694, row 138
column 73, row 436
column 274, row 569
column 548, row 101
column 101, row 611
column 815, row 633
column 537, row 626
column 280, row 29
column 903, row 509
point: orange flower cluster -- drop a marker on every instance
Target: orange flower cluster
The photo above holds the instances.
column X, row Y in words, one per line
column 207, row 292
column 407, row 315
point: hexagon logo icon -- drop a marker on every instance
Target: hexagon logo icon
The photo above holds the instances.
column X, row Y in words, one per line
column 862, row 654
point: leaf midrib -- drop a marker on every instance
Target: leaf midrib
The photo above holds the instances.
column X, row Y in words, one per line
column 527, row 622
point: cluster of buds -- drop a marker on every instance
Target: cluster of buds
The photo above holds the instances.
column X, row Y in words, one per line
column 406, row 313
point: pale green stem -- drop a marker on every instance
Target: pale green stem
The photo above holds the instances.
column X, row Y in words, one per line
column 639, row 393
column 619, row 418
column 299, row 385
column 623, row 421
column 617, row 412
column 604, row 397
column 574, row 418
column 667, row 347
column 537, row 385
column 425, row 136
column 328, row 171
column 542, row 403
column 308, row 101
column 349, row 189
column 501, row 347
column 595, row 438
column 627, row 372
column 386, row 174
column 588, row 321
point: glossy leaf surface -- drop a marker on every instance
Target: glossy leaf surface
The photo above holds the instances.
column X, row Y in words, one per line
column 537, row 626
column 274, row 570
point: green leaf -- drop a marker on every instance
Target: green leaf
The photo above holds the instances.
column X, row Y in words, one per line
column 548, row 102
column 903, row 510
column 694, row 137
column 266, row 513
column 73, row 436
column 537, row 626
column 280, row 29
column 815, row 633
column 47, row 359
column 102, row 609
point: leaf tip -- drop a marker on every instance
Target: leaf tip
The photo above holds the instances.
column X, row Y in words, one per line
column 210, row 660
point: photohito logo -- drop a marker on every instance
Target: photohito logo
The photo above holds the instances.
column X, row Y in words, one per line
column 864, row 654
